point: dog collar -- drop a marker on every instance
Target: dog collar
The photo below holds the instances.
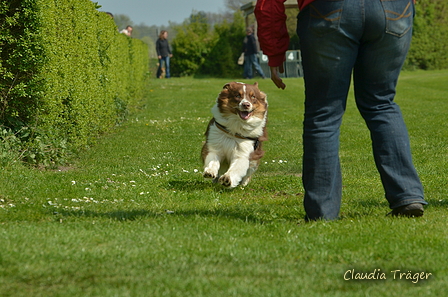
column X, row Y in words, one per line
column 225, row 130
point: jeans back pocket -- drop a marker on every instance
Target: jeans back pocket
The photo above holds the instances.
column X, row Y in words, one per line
column 325, row 16
column 399, row 16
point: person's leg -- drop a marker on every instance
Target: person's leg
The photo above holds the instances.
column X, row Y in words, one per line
column 246, row 67
column 248, row 61
column 328, row 55
column 167, row 67
column 382, row 53
column 257, row 66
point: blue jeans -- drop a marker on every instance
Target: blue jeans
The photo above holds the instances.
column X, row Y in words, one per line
column 250, row 60
column 167, row 67
column 369, row 39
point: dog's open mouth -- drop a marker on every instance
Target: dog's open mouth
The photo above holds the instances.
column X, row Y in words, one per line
column 245, row 114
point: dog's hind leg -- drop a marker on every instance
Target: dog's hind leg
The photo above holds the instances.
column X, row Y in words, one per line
column 253, row 166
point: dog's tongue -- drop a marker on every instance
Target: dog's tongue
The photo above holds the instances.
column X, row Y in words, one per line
column 244, row 115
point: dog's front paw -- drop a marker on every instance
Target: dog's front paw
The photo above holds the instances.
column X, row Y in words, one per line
column 225, row 180
column 229, row 181
column 209, row 174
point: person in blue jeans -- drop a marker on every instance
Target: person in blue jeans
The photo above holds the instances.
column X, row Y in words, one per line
column 163, row 53
column 366, row 39
column 250, row 55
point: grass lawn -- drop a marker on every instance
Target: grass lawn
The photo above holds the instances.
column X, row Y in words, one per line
column 134, row 217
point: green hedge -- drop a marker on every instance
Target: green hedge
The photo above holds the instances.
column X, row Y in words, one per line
column 67, row 76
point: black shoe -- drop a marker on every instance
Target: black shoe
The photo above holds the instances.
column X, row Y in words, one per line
column 410, row 210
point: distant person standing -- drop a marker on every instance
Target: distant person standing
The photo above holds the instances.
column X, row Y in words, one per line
column 163, row 53
column 127, row 31
column 250, row 55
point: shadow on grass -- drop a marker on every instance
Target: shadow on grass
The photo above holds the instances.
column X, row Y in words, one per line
column 254, row 214
column 188, row 185
column 247, row 212
column 248, row 216
column 369, row 208
column 192, row 186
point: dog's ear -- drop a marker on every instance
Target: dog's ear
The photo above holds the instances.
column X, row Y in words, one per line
column 224, row 92
column 256, row 84
column 263, row 97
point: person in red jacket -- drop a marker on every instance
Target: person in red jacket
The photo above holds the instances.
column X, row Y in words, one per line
column 338, row 39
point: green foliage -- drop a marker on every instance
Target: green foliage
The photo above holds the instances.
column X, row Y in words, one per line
column 223, row 56
column 20, row 61
column 67, row 75
column 199, row 51
column 33, row 147
column 429, row 43
column 192, row 46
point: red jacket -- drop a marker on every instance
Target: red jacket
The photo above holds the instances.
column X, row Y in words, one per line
column 272, row 33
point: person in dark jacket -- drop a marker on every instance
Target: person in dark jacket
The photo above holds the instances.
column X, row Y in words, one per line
column 250, row 55
column 163, row 53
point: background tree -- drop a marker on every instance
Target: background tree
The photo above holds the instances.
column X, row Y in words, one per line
column 223, row 56
column 192, row 45
column 235, row 5
column 122, row 20
column 429, row 44
column 291, row 24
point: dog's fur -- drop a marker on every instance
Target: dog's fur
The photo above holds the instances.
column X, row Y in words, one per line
column 232, row 151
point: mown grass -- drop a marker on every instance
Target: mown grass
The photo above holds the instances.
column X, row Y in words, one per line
column 134, row 217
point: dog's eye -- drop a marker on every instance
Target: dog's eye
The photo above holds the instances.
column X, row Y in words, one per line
column 253, row 97
column 238, row 96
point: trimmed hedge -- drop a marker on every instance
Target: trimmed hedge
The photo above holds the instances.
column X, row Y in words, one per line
column 67, row 75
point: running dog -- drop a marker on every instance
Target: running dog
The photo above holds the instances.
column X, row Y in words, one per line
column 234, row 136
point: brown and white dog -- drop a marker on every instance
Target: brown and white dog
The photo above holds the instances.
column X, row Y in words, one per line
column 232, row 151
